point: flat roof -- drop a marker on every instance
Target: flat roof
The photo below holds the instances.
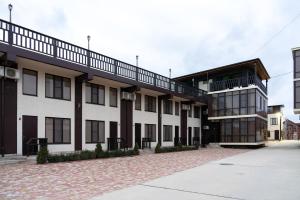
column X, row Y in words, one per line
column 296, row 48
column 261, row 70
column 279, row 105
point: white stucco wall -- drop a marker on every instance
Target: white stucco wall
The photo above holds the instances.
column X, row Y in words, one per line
column 41, row 106
column 272, row 128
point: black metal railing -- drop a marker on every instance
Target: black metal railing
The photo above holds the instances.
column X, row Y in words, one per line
column 33, row 144
column 237, row 82
column 146, row 143
column 25, row 38
column 116, row 144
column 183, row 140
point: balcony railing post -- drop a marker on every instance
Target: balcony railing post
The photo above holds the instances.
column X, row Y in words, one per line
column 116, row 67
column 88, row 58
column 137, row 74
column 154, row 80
column 10, row 34
column 54, row 44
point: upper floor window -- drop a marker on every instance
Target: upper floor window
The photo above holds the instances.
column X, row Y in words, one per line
column 94, row 131
column 176, row 108
column 274, row 121
column 167, row 134
column 150, row 103
column 58, row 130
column 58, row 87
column 30, row 82
column 168, row 107
column 150, row 132
column 138, row 101
column 196, row 112
column 95, row 94
column 113, row 97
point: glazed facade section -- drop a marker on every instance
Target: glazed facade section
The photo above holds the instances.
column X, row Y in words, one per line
column 243, row 130
column 240, row 102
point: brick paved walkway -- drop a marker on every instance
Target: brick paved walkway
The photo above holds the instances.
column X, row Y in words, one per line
column 86, row 179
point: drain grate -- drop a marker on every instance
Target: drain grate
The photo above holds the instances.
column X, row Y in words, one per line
column 226, row 164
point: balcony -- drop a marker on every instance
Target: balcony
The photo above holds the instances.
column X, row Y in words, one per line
column 237, row 83
column 35, row 42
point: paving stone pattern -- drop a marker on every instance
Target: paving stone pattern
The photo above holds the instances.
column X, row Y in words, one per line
column 86, row 179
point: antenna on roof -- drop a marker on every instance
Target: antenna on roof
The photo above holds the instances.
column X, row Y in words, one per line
column 137, row 60
column 170, row 72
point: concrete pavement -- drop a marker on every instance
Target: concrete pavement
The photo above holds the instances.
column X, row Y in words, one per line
column 269, row 173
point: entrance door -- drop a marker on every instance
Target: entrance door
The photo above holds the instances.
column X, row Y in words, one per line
column 276, row 134
column 214, row 132
column 126, row 122
column 113, row 133
column 138, row 139
column 183, row 126
column 29, row 130
column 176, row 139
column 190, row 136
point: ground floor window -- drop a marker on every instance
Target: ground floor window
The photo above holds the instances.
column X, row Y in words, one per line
column 94, row 131
column 58, row 130
column 168, row 135
column 150, row 132
column 243, row 130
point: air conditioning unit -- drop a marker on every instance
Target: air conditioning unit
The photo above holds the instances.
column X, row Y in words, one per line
column 186, row 107
column 128, row 96
column 11, row 73
column 1, row 71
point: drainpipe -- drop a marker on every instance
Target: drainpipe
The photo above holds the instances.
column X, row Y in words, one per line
column 2, row 115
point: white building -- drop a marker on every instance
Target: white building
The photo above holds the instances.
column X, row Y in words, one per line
column 77, row 98
column 275, row 122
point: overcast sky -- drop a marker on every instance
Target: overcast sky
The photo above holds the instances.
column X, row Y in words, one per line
column 187, row 36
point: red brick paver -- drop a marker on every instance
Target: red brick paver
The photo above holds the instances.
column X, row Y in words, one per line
column 86, row 179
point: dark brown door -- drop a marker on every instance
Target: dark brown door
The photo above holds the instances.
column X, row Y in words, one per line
column 183, row 126
column 190, row 136
column 176, row 135
column 126, row 122
column 138, row 139
column 113, row 134
column 276, row 134
column 29, row 130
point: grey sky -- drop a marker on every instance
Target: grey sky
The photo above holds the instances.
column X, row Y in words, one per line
column 187, row 36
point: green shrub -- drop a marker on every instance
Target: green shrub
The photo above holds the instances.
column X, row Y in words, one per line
column 86, row 155
column 136, row 149
column 158, row 148
column 174, row 149
column 42, row 155
column 98, row 151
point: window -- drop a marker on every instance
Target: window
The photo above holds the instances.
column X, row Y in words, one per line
column 297, row 94
column 274, row 121
column 94, row 94
column 113, row 97
column 138, row 101
column 176, row 108
column 168, row 107
column 251, row 101
column 58, row 87
column 29, row 82
column 150, row 132
column 228, row 103
column 150, row 103
column 235, row 103
column 94, row 131
column 196, row 112
column 168, row 135
column 58, row 130
column 197, row 132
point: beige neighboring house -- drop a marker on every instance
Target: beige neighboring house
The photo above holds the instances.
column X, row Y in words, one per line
column 275, row 122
